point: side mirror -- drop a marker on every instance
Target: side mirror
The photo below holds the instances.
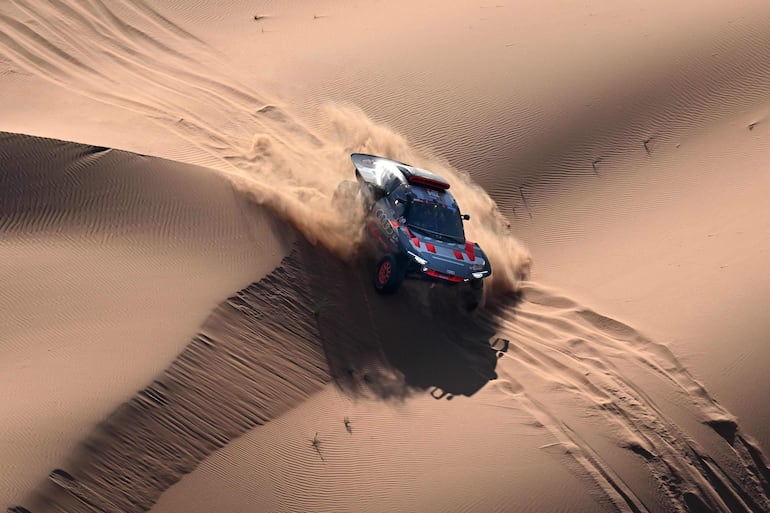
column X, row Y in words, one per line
column 466, row 217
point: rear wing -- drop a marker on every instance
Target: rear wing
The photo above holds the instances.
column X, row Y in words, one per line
column 380, row 170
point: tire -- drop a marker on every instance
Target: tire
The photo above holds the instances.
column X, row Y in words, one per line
column 388, row 274
column 473, row 295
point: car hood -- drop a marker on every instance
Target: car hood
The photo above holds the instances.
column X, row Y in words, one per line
column 449, row 258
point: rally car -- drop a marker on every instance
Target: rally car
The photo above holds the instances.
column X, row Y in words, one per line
column 417, row 228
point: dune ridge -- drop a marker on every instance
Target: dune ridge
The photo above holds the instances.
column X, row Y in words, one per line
column 601, row 390
column 563, row 363
column 618, row 410
column 560, row 347
column 269, row 155
column 254, row 357
column 87, row 235
column 540, row 350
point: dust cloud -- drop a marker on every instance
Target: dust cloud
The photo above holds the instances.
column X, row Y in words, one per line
column 295, row 172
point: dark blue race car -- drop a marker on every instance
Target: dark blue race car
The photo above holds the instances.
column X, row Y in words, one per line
column 416, row 228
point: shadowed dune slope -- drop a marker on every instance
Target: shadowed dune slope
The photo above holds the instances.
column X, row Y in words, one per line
column 257, row 355
column 625, row 143
column 109, row 262
column 615, row 408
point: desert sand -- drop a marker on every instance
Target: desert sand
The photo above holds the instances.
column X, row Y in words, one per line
column 187, row 324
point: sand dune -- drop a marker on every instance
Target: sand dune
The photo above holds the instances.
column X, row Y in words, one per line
column 624, row 145
column 233, row 376
column 110, row 261
column 603, row 401
column 256, row 144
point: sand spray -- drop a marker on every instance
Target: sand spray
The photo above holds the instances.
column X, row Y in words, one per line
column 295, row 172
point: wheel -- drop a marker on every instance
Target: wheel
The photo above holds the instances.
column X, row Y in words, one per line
column 388, row 274
column 473, row 295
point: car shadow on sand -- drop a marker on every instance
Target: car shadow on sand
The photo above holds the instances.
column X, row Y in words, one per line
column 417, row 339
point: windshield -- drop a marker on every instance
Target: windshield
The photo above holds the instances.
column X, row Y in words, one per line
column 436, row 220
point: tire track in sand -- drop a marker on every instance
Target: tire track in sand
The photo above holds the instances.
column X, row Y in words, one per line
column 268, row 155
column 588, row 379
column 617, row 403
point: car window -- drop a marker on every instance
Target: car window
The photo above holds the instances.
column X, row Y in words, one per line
column 397, row 205
column 436, row 219
column 390, row 183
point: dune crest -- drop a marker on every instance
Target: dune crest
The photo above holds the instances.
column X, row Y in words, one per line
column 268, row 154
column 608, row 403
column 589, row 378
column 536, row 402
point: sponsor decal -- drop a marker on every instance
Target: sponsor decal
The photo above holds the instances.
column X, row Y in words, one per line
column 385, row 225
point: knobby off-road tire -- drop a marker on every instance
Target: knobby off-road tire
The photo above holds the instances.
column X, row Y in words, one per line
column 389, row 274
column 473, row 295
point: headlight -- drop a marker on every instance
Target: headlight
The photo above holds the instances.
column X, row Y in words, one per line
column 480, row 275
column 418, row 259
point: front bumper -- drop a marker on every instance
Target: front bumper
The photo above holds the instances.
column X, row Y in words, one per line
column 419, row 271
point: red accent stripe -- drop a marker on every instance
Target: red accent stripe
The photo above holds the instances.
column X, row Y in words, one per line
column 436, row 274
column 430, row 247
column 394, row 224
column 415, row 240
column 470, row 251
column 458, row 255
column 428, row 182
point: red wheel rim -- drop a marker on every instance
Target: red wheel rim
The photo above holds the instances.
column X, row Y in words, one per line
column 384, row 273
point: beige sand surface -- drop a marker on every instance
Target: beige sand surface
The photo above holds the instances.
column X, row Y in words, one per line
column 625, row 145
column 110, row 262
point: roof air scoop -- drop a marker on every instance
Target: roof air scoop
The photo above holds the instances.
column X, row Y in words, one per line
column 432, row 183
